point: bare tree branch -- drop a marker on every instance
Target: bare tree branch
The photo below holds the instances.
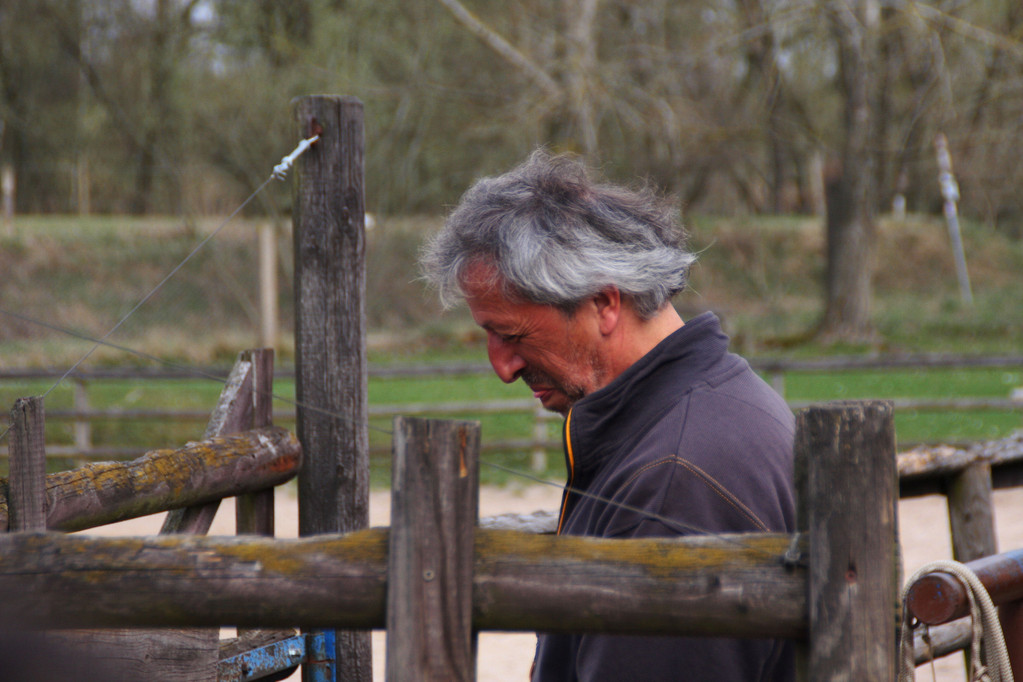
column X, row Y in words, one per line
column 969, row 30
column 501, row 46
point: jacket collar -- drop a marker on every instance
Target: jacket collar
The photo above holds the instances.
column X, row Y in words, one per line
column 599, row 424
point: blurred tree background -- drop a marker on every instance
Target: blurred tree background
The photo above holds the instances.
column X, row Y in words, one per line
column 177, row 106
column 181, row 107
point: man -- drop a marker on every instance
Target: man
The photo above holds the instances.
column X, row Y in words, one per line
column 666, row 433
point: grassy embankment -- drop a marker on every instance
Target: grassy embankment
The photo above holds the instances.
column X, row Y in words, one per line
column 762, row 276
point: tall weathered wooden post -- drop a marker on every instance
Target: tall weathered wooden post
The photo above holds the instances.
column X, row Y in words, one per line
column 330, row 337
column 847, row 491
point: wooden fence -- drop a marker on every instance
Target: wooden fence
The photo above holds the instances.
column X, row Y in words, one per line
column 241, row 455
column 435, row 568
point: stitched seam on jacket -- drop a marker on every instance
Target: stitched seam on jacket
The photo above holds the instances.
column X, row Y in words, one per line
column 720, row 490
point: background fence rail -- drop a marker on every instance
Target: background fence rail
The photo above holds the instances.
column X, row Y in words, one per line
column 83, row 413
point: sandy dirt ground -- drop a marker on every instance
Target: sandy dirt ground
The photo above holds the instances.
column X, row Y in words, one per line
column 503, row 657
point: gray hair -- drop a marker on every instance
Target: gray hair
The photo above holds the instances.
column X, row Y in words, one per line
column 557, row 237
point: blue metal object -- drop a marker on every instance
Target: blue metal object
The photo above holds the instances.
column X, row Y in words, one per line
column 320, row 665
column 315, row 651
column 264, row 661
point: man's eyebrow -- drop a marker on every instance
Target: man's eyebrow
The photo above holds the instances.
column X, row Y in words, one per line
column 501, row 329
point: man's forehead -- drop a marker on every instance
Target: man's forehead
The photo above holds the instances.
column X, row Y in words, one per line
column 480, row 276
column 489, row 305
column 482, row 281
column 495, row 306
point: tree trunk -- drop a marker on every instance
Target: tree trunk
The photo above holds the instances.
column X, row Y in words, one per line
column 850, row 182
column 764, row 84
column 581, row 70
column 160, row 77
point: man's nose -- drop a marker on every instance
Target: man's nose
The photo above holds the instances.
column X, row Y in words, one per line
column 506, row 362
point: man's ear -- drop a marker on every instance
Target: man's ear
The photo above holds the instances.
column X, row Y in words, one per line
column 608, row 303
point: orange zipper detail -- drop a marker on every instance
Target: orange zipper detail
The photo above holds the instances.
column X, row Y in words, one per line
column 571, row 468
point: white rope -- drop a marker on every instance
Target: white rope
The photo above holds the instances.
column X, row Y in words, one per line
column 280, row 171
column 989, row 659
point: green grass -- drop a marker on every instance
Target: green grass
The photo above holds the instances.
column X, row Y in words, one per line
column 912, row 426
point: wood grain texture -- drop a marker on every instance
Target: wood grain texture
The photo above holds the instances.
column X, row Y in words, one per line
column 846, row 455
column 737, row 585
column 254, row 511
column 434, row 508
column 971, row 513
column 232, row 413
column 106, row 492
column 168, row 655
column 330, row 335
column 330, row 357
column 26, row 488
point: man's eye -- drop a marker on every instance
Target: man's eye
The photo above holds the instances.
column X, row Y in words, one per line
column 511, row 338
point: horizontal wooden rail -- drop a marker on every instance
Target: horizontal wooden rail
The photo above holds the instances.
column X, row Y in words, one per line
column 939, row 597
column 735, row 585
column 767, row 365
column 492, row 407
column 927, row 470
column 105, row 492
column 944, row 640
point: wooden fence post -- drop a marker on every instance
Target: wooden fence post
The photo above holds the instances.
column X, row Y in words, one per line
column 950, row 193
column 82, row 428
column 848, row 502
column 330, row 337
column 538, row 461
column 27, row 481
column 971, row 513
column 434, row 509
column 971, row 517
column 268, row 284
column 254, row 512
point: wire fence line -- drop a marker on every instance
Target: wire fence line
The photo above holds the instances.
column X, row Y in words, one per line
column 539, row 442
column 768, row 366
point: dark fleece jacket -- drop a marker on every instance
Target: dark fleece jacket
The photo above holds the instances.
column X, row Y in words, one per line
column 687, row 440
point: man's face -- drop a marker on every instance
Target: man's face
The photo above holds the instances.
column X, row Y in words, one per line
column 553, row 353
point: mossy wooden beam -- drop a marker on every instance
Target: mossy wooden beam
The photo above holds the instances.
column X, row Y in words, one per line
column 105, row 492
column 737, row 585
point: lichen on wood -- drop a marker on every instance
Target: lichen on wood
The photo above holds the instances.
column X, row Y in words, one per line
column 106, row 492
